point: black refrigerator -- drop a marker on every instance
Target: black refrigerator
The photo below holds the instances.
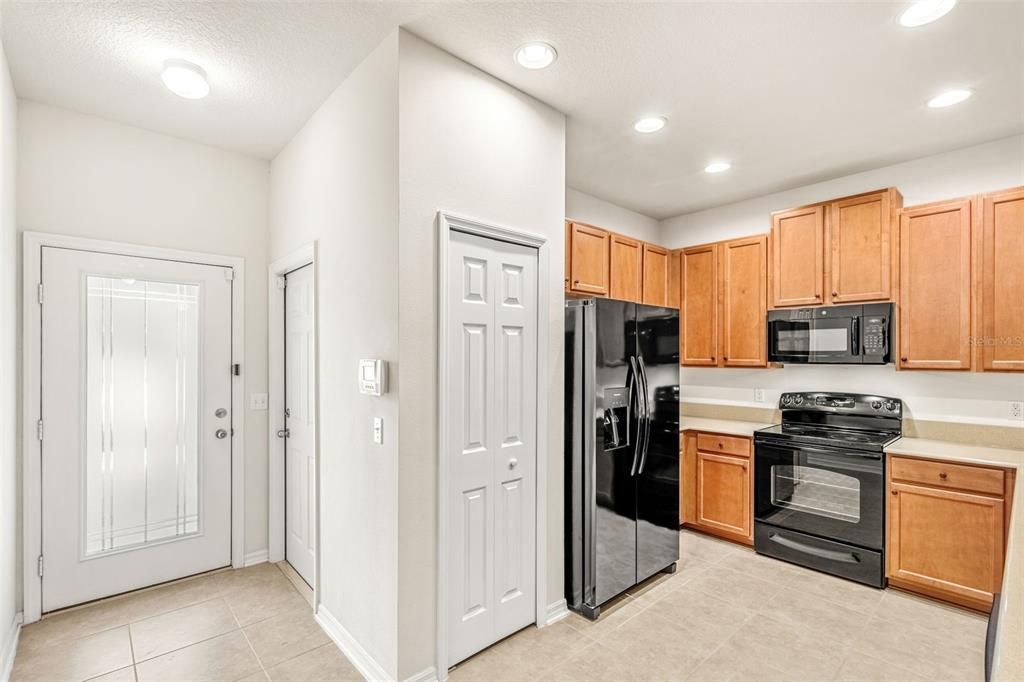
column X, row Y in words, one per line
column 621, row 448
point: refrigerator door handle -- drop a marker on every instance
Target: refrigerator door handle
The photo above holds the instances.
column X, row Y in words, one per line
column 635, row 382
column 647, row 417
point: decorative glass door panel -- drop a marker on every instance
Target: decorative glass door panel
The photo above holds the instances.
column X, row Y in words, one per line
column 136, row 422
column 142, row 413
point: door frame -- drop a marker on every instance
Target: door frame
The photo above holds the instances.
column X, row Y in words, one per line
column 446, row 224
column 31, row 368
column 301, row 257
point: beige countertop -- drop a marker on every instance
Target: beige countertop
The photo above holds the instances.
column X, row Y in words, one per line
column 1008, row 662
column 728, row 427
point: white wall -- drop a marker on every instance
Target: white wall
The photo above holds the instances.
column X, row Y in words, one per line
column 587, row 208
column 472, row 145
column 337, row 182
column 950, row 396
column 10, row 575
column 88, row 177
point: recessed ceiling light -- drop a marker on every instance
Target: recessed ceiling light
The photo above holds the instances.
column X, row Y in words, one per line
column 185, row 79
column 949, row 98
column 650, row 124
column 717, row 167
column 535, row 55
column 925, row 12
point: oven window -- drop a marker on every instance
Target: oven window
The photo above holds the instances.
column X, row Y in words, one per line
column 810, row 339
column 816, row 491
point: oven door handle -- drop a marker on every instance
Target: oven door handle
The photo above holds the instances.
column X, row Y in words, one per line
column 800, row 447
column 830, row 555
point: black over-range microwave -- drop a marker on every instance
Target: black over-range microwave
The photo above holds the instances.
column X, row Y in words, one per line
column 838, row 335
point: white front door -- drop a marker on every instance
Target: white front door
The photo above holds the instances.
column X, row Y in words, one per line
column 491, row 360
column 136, row 422
column 300, row 421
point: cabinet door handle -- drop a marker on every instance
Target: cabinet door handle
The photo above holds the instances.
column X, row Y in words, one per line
column 943, row 475
column 575, row 282
column 894, row 492
column 903, row 359
column 834, row 294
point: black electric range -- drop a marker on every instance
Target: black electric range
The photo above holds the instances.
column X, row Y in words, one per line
column 819, row 483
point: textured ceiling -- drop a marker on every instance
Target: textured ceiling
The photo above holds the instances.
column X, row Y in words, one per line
column 790, row 93
column 270, row 64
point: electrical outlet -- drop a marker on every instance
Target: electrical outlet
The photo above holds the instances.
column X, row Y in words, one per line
column 759, row 395
column 1016, row 410
column 258, row 401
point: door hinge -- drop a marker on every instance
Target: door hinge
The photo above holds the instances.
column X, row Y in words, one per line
column 39, row 293
column 282, row 283
column 39, row 565
column 236, row 369
column 39, row 429
column 229, row 274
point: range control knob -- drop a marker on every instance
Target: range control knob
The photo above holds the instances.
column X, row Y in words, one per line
column 787, row 399
column 877, row 404
column 891, row 405
column 798, row 399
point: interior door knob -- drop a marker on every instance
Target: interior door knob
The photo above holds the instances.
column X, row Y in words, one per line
column 221, row 434
column 283, row 433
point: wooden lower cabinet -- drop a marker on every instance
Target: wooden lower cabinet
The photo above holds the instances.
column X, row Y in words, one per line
column 945, row 542
column 717, row 486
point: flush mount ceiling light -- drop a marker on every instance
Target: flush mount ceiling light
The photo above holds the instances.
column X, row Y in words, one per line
column 717, row 167
column 948, row 98
column 650, row 124
column 185, row 79
column 925, row 12
column 536, row 55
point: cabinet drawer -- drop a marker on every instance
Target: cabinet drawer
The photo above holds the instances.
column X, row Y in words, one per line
column 948, row 475
column 729, row 445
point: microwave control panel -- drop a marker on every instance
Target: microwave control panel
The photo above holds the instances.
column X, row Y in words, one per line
column 876, row 334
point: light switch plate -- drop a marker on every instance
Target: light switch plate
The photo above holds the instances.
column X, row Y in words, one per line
column 378, row 430
column 1016, row 410
column 257, row 401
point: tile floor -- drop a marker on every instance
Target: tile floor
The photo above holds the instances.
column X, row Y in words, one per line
column 250, row 624
column 729, row 614
column 726, row 614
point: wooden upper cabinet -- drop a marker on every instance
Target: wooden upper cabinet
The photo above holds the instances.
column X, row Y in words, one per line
column 675, row 288
column 1002, row 281
column 861, row 246
column 625, row 278
column 568, row 253
column 743, row 291
column 698, row 319
column 798, row 263
column 589, row 260
column 655, row 287
column 935, row 286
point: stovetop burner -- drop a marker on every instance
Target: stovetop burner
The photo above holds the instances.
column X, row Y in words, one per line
column 839, row 420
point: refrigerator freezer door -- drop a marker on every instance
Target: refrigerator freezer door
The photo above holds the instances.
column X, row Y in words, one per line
column 657, row 482
column 614, row 493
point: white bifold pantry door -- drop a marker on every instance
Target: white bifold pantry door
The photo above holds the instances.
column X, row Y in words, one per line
column 491, row 360
column 136, row 422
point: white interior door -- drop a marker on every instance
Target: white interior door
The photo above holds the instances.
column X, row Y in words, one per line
column 300, row 422
column 492, row 441
column 136, row 422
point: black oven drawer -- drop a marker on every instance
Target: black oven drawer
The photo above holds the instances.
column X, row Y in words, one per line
column 854, row 563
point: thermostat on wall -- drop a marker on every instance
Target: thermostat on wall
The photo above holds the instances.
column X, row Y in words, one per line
column 373, row 377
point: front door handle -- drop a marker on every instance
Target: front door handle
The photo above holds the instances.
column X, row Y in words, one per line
column 221, row 434
column 284, row 433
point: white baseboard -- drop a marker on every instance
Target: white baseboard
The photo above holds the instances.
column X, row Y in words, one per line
column 428, row 675
column 258, row 557
column 359, row 657
column 9, row 648
column 556, row 612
